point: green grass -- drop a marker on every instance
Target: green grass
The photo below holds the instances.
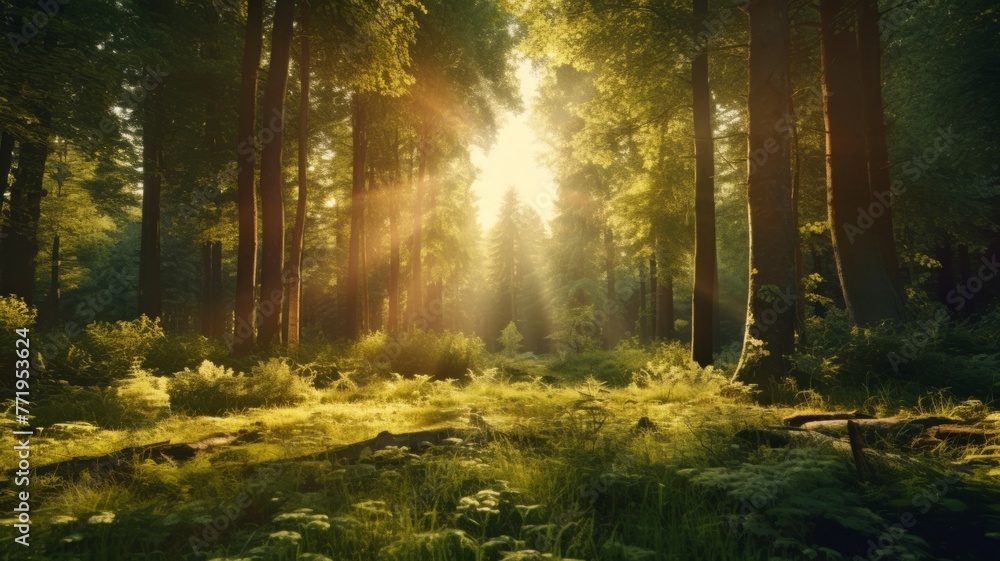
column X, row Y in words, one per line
column 594, row 488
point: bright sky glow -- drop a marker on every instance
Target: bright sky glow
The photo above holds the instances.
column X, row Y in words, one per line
column 515, row 159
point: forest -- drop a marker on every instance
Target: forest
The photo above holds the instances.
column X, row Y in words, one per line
column 500, row 280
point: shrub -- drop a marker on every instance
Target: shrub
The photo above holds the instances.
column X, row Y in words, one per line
column 175, row 352
column 214, row 390
column 136, row 401
column 210, row 389
column 14, row 314
column 510, row 340
column 139, row 400
column 439, row 355
column 275, row 383
column 107, row 351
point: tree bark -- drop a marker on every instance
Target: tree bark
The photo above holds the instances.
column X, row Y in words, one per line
column 54, row 299
column 150, row 281
column 653, row 297
column 800, row 302
column 244, row 320
column 394, row 243
column 20, row 246
column 702, row 307
column 271, row 200
column 611, row 334
column 6, row 161
column 770, row 308
column 298, row 236
column 205, row 313
column 870, row 55
column 217, row 319
column 415, row 301
column 643, row 315
column 360, row 146
column 867, row 286
column 665, row 307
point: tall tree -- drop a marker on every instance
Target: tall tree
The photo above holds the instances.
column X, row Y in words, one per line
column 866, row 284
column 702, row 307
column 870, row 57
column 244, row 321
column 298, row 236
column 770, row 328
column 359, row 146
column 271, row 176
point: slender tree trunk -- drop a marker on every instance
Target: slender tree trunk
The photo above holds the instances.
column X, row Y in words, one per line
column 611, row 333
column 870, row 56
column 298, row 236
column 946, row 274
column 653, row 297
column 205, row 312
column 867, row 286
column 360, row 145
column 435, row 304
column 415, row 300
column 394, row 243
column 217, row 319
column 665, row 307
column 6, row 161
column 702, row 308
column 800, row 302
column 365, row 243
column 244, row 320
column 643, row 314
column 271, row 200
column 54, row 300
column 150, row 281
column 770, row 332
column 20, row 245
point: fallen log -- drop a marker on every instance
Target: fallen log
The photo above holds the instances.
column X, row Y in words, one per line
column 783, row 437
column 121, row 461
column 898, row 429
column 799, row 420
column 953, row 434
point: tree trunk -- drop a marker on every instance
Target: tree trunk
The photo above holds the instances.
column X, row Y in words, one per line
column 298, row 236
column 665, row 307
column 867, row 287
column 870, row 55
column 800, row 302
column 364, row 275
column 205, row 313
column 6, row 161
column 271, row 200
column 946, row 274
column 653, row 297
column 150, row 281
column 54, row 300
column 702, row 307
column 360, row 146
column 244, row 320
column 611, row 308
column 770, row 332
column 217, row 319
column 415, row 301
column 394, row 191
column 20, row 245
column 643, row 315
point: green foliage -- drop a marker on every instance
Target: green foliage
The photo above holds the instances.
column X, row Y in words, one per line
column 614, row 367
column 108, row 351
column 793, row 502
column 14, row 315
column 510, row 340
column 214, row 390
column 439, row 355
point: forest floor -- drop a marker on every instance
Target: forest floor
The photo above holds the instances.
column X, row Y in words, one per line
column 550, row 463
